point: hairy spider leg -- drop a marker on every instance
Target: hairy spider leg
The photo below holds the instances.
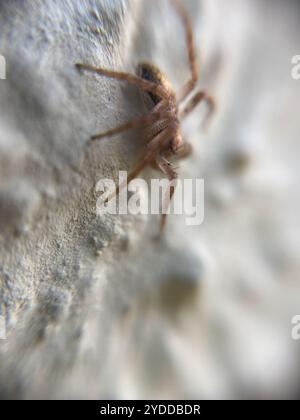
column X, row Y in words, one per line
column 154, row 88
column 146, row 120
column 155, row 145
column 167, row 168
column 195, row 101
column 192, row 56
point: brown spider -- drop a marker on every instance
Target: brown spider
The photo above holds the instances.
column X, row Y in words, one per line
column 162, row 123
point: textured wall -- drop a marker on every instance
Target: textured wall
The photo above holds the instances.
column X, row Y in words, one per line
column 94, row 306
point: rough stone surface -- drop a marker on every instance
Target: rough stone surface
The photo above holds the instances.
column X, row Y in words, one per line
column 95, row 307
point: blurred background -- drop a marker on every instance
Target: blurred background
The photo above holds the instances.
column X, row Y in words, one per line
column 92, row 307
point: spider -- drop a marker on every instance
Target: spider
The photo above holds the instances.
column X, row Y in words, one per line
column 162, row 123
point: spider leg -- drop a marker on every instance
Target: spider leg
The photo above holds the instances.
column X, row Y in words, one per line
column 154, row 88
column 192, row 57
column 184, row 151
column 156, row 127
column 167, row 168
column 155, row 144
column 196, row 100
column 147, row 120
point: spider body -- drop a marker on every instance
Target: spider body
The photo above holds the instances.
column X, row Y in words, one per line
column 161, row 125
column 153, row 74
